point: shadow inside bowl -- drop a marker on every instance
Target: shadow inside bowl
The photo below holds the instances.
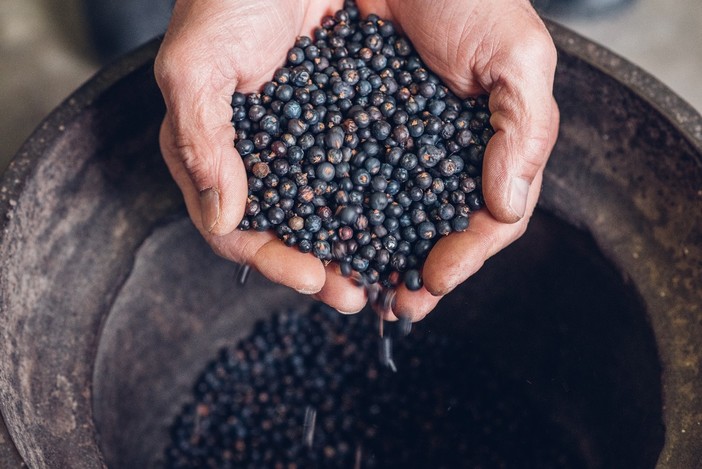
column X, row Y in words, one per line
column 550, row 316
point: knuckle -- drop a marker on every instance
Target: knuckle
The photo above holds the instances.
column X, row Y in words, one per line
column 535, row 47
column 235, row 248
column 173, row 68
column 218, row 247
column 197, row 166
column 521, row 228
column 165, row 67
column 536, row 150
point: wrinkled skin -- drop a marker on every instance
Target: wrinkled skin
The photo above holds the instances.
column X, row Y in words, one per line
column 213, row 48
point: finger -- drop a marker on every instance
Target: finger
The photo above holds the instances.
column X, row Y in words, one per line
column 414, row 305
column 272, row 258
column 458, row 256
column 199, row 138
column 341, row 293
column 525, row 120
column 519, row 75
column 504, row 49
column 216, row 202
column 287, row 266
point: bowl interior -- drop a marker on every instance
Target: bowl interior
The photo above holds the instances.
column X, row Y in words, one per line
column 550, row 316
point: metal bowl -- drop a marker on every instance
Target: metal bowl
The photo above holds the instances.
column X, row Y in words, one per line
column 110, row 303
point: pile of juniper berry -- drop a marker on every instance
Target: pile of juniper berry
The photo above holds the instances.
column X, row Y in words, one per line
column 358, row 153
column 445, row 407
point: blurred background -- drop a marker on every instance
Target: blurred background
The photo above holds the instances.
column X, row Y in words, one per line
column 48, row 48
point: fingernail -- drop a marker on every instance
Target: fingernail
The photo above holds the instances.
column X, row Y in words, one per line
column 307, row 291
column 209, row 208
column 348, row 312
column 442, row 291
column 518, row 193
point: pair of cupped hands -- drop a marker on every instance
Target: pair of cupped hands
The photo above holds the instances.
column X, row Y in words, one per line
column 213, row 48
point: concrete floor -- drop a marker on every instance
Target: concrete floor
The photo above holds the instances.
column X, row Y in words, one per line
column 41, row 63
column 44, row 54
column 664, row 37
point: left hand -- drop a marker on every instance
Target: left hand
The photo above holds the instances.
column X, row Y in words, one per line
column 502, row 48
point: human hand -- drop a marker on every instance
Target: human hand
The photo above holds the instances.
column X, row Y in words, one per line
column 503, row 48
column 211, row 49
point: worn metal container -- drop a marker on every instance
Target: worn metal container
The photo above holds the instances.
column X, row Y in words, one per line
column 110, row 303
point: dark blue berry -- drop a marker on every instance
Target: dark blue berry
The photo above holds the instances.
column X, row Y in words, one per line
column 313, row 223
column 474, row 201
column 409, row 234
column 244, row 147
column 423, row 180
column 334, row 138
column 443, row 227
column 376, row 217
column 413, row 280
column 361, row 177
column 426, row 230
column 325, row 171
column 348, row 215
column 321, row 249
column 349, row 142
column 409, row 161
column 398, row 262
column 381, row 130
column 430, row 155
column 379, row 183
column 415, row 127
column 260, row 222
column 276, row 215
column 378, row 201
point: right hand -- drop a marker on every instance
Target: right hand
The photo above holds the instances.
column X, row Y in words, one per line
column 212, row 49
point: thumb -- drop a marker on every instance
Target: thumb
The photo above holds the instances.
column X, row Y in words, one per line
column 197, row 142
column 525, row 120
